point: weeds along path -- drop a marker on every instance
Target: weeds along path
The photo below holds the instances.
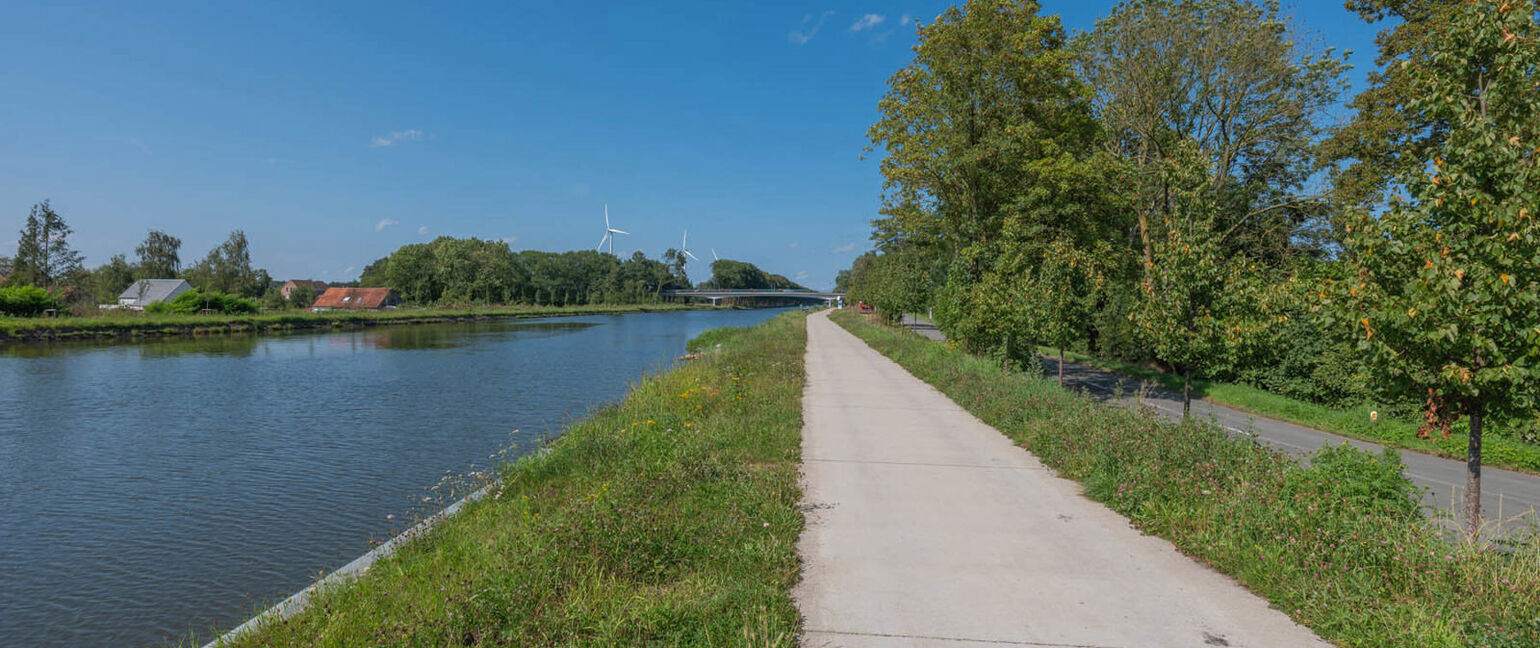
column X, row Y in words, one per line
column 927, row 527
column 668, row 519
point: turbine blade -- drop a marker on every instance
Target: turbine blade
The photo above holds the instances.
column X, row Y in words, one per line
column 602, row 239
column 714, row 256
column 688, row 254
column 606, row 215
column 616, row 231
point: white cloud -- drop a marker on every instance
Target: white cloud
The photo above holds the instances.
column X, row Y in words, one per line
column 509, row 239
column 848, row 247
column 867, row 22
column 422, row 231
column 384, row 223
column 395, row 137
column 794, row 244
column 809, row 28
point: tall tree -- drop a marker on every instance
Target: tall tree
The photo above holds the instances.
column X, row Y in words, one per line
column 159, row 256
column 111, row 278
column 228, row 269
column 1447, row 296
column 43, row 255
column 1231, row 78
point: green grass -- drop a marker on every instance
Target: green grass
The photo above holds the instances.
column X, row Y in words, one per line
column 668, row 519
column 128, row 324
column 1354, row 422
column 1340, row 546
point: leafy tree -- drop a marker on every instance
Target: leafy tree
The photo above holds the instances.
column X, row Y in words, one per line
column 43, row 255
column 413, row 272
column 1386, row 137
column 159, row 256
column 26, row 301
column 302, row 296
column 112, row 278
column 1230, row 78
column 727, row 274
column 7, row 264
column 228, row 269
column 373, row 275
column 1447, row 293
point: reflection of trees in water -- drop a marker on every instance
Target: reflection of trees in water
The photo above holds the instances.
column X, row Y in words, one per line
column 456, row 335
column 239, row 346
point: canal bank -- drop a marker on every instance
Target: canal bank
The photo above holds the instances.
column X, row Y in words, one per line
column 181, row 484
column 668, row 518
column 133, row 327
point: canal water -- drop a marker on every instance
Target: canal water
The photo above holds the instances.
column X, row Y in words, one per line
column 163, row 490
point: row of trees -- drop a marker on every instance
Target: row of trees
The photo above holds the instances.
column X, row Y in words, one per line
column 45, row 259
column 451, row 270
column 1165, row 187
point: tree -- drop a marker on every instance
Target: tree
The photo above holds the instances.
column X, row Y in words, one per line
column 302, row 296
column 158, row 256
column 112, row 278
column 7, row 264
column 1385, row 137
column 43, row 255
column 1230, row 78
column 227, row 269
column 1446, row 301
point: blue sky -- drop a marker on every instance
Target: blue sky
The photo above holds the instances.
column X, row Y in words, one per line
column 334, row 134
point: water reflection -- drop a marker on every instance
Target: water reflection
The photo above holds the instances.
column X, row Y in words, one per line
column 155, row 488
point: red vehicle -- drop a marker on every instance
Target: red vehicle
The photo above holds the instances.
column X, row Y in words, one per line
column 865, row 308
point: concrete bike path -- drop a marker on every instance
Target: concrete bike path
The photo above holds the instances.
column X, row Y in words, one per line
column 927, row 527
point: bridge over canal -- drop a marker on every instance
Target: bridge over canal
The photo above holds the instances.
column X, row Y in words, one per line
column 717, row 296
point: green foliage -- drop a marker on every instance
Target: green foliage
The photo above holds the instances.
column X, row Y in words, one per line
column 1339, row 545
column 111, row 278
column 473, row 271
column 43, row 255
column 194, row 301
column 26, row 301
column 159, row 256
column 727, row 274
column 228, row 269
column 669, row 519
column 895, row 283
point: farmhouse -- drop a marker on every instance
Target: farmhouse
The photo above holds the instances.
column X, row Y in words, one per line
column 287, row 289
column 362, row 298
column 148, row 291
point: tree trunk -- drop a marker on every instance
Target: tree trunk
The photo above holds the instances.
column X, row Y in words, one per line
column 1186, row 392
column 1473, row 474
column 1061, row 366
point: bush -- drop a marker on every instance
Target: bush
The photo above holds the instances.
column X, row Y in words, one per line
column 27, row 301
column 194, row 301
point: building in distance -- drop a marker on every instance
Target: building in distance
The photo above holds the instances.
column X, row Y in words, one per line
column 357, row 298
column 148, row 291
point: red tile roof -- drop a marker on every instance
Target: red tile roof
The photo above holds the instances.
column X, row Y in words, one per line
column 356, row 298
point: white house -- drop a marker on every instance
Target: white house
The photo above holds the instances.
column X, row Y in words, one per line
column 148, row 291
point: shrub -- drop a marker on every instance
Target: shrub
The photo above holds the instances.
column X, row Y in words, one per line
column 26, row 301
column 194, row 301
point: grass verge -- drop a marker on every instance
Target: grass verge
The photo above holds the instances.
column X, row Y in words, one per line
column 667, row 519
column 1354, row 422
column 131, row 325
column 1340, row 546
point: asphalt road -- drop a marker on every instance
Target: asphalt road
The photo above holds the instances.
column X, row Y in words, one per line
column 1509, row 496
column 928, row 528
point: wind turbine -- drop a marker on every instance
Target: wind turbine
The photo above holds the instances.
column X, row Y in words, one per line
column 609, row 232
column 684, row 246
column 714, row 256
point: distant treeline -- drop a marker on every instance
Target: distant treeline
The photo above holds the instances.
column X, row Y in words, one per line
column 444, row 271
column 451, row 270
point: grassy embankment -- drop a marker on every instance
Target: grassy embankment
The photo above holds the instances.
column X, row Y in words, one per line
column 125, row 324
column 1353, row 422
column 667, row 519
column 1340, row 546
